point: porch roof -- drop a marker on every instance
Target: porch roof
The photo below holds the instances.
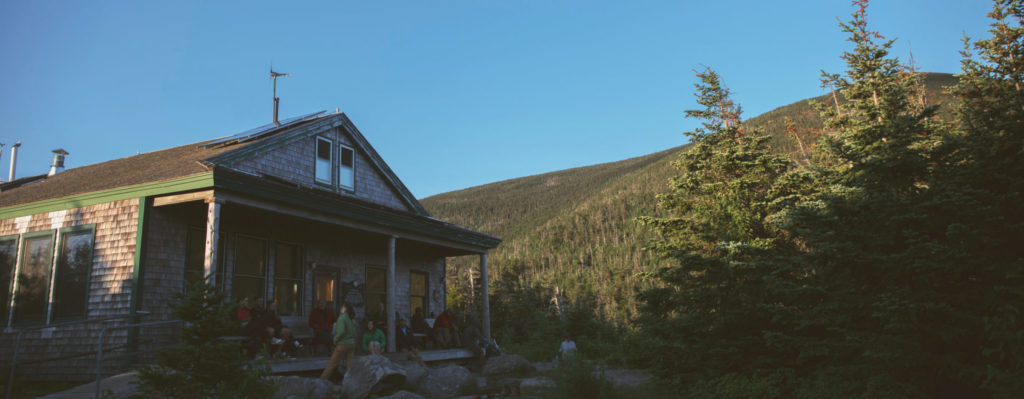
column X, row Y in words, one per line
column 279, row 195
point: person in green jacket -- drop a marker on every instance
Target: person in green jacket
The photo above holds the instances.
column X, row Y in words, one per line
column 344, row 341
column 373, row 339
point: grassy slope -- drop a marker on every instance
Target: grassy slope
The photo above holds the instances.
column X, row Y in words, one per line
column 576, row 229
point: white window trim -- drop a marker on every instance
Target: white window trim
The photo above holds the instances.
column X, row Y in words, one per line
column 316, row 159
column 342, row 186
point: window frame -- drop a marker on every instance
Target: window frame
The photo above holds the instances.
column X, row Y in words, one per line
column 17, row 278
column 52, row 317
column 350, row 170
column 367, row 293
column 8, row 305
column 426, row 291
column 316, row 160
column 300, row 279
column 266, row 266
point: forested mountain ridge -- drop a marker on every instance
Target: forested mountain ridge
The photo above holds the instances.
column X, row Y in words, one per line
column 576, row 229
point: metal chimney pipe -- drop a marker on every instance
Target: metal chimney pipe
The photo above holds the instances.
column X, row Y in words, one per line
column 276, row 123
column 58, row 161
column 1, row 156
column 14, row 160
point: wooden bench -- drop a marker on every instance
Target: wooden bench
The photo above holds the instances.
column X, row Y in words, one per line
column 420, row 339
column 302, row 332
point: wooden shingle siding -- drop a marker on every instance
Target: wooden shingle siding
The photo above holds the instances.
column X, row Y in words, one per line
column 109, row 290
column 295, row 162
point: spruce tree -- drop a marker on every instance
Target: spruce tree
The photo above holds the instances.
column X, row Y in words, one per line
column 724, row 305
column 916, row 236
column 980, row 189
column 203, row 366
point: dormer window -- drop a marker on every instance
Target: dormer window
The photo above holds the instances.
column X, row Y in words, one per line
column 347, row 168
column 323, row 161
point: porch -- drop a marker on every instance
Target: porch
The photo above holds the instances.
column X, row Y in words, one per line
column 258, row 240
column 308, row 363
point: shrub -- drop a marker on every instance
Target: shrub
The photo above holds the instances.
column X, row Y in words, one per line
column 202, row 366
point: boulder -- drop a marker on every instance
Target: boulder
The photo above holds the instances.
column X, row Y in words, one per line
column 628, row 377
column 535, row 383
column 413, row 374
column 372, row 374
column 293, row 387
column 402, row 395
column 508, row 365
column 445, row 382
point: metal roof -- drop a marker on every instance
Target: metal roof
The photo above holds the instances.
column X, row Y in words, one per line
column 255, row 133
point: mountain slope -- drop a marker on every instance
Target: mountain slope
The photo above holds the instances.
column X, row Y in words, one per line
column 576, row 229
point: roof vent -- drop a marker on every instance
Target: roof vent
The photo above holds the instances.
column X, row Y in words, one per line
column 14, row 160
column 58, row 161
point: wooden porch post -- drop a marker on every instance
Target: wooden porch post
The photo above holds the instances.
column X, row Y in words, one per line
column 391, row 295
column 485, row 296
column 212, row 235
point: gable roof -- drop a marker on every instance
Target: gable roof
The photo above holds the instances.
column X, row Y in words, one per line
column 197, row 158
column 207, row 164
column 328, row 122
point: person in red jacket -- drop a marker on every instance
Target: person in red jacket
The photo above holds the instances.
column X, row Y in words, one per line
column 321, row 319
column 444, row 327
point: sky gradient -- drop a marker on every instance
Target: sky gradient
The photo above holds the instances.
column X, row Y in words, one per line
column 452, row 94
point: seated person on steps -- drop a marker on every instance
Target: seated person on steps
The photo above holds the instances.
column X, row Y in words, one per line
column 444, row 327
column 373, row 339
column 403, row 336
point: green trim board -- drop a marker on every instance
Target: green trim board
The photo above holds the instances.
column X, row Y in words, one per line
column 192, row 182
column 144, row 204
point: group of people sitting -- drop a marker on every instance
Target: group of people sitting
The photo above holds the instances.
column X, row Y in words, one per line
column 264, row 329
column 343, row 335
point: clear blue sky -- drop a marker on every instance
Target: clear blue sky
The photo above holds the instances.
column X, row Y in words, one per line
column 452, row 94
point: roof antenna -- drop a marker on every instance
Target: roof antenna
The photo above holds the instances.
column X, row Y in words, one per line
column 274, row 75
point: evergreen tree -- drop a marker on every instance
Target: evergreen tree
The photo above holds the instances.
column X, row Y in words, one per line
column 202, row 366
column 891, row 268
column 724, row 306
column 917, row 258
column 979, row 188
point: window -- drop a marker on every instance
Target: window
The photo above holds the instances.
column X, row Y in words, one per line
column 417, row 292
column 323, row 161
column 195, row 256
column 324, row 284
column 250, row 267
column 347, row 168
column 376, row 288
column 71, row 280
column 288, row 279
column 33, row 279
column 8, row 256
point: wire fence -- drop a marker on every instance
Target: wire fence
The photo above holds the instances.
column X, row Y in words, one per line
column 85, row 348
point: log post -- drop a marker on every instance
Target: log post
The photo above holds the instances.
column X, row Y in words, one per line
column 389, row 318
column 485, row 296
column 212, row 235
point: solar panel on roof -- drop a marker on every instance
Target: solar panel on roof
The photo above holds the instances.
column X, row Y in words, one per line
column 255, row 133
